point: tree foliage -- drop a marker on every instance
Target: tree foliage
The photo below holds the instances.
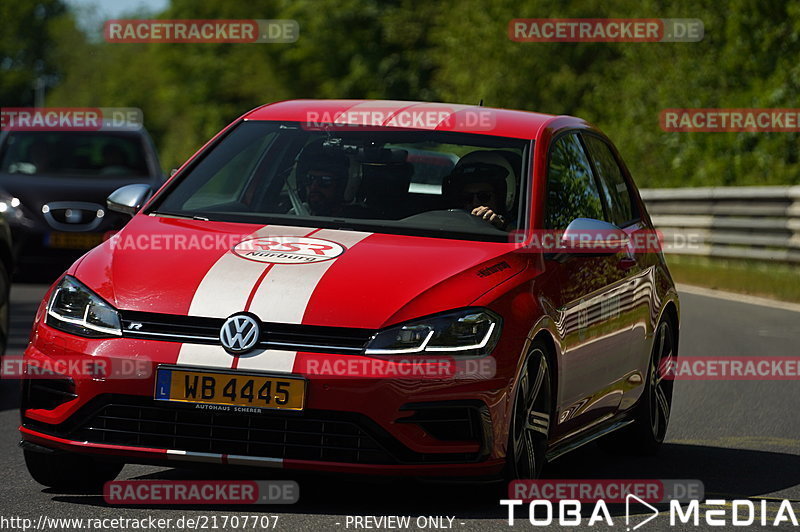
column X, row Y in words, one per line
column 452, row 50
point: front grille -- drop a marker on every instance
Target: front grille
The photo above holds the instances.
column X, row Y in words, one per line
column 294, row 337
column 311, row 435
column 249, row 435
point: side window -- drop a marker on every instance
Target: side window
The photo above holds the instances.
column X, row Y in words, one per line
column 612, row 182
column 571, row 188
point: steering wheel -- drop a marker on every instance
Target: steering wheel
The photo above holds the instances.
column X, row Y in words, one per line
column 475, row 220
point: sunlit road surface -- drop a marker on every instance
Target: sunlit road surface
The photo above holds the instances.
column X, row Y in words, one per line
column 742, row 439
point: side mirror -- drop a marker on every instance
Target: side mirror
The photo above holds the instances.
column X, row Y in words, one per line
column 128, row 199
column 587, row 235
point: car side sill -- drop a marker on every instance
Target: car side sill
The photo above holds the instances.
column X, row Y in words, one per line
column 582, row 439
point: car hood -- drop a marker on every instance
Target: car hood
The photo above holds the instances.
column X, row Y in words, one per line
column 291, row 274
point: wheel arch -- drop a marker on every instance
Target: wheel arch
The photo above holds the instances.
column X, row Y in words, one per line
column 670, row 311
column 545, row 337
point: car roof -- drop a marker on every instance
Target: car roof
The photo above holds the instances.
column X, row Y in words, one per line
column 419, row 115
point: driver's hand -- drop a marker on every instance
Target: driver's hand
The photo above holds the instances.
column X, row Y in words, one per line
column 489, row 215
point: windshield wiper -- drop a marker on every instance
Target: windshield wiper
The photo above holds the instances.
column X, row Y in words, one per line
column 179, row 215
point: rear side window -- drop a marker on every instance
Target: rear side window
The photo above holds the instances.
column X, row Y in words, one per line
column 613, row 185
column 571, row 188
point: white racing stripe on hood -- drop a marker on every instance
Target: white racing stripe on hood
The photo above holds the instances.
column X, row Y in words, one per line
column 224, row 291
column 227, row 285
column 284, row 293
column 283, row 297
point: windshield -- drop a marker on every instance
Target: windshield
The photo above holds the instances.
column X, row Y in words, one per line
column 380, row 179
column 74, row 153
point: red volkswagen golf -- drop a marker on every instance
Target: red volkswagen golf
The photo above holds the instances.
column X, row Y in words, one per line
column 361, row 287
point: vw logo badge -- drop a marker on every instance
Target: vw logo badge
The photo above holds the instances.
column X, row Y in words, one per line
column 240, row 333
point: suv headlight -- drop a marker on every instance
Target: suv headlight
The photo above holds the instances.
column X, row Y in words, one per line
column 11, row 208
column 75, row 309
column 472, row 331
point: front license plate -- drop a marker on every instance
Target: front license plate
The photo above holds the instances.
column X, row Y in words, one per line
column 74, row 240
column 231, row 389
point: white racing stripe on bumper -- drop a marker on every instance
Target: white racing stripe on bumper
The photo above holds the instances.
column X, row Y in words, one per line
column 284, row 295
column 268, row 360
column 224, row 291
column 215, row 356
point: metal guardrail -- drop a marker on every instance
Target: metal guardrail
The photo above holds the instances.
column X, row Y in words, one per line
column 761, row 223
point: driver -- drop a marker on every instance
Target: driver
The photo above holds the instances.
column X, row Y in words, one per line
column 324, row 178
column 478, row 188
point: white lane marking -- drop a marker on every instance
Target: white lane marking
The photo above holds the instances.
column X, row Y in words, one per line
column 738, row 298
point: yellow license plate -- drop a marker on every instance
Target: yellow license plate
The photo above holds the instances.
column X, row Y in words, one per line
column 74, row 240
column 230, row 389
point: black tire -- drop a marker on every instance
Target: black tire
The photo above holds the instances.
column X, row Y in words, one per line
column 70, row 471
column 530, row 422
column 647, row 433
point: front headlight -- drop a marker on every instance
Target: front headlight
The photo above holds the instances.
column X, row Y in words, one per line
column 75, row 309
column 461, row 332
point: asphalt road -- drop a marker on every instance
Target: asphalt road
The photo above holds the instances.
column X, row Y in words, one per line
column 742, row 439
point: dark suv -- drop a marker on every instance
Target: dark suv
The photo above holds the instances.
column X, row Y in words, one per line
column 54, row 184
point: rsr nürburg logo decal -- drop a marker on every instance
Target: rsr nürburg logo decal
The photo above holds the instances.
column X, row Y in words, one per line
column 288, row 249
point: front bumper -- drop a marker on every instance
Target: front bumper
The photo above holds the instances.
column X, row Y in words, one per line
column 382, row 426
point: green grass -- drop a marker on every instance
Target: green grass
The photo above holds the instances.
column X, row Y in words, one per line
column 758, row 278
